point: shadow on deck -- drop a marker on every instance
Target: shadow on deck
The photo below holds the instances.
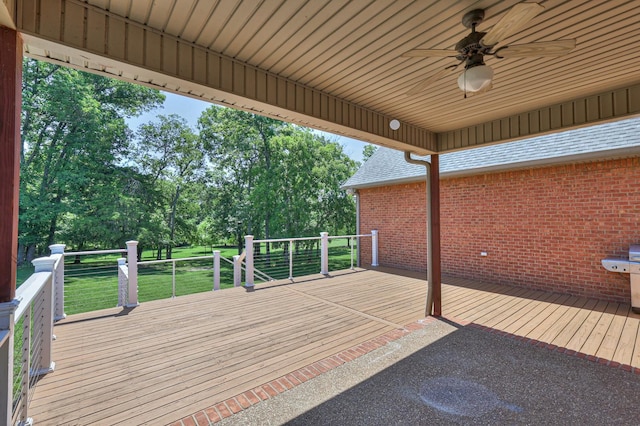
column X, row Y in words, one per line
column 216, row 353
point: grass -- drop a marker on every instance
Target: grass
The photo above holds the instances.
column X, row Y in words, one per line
column 93, row 283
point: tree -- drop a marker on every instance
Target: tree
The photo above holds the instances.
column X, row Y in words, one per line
column 171, row 154
column 73, row 138
column 241, row 150
column 277, row 179
column 368, row 151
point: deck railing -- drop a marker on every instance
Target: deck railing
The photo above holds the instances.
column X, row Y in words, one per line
column 173, row 277
column 27, row 332
column 291, row 257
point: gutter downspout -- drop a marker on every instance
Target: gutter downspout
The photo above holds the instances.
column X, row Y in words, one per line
column 357, row 195
column 429, row 310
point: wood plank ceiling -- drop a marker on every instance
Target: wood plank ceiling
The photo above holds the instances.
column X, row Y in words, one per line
column 351, row 50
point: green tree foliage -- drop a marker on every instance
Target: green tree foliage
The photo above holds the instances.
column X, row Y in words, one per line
column 74, row 139
column 277, row 179
column 368, row 151
column 171, row 155
column 90, row 182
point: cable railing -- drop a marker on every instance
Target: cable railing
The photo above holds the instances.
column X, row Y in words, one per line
column 161, row 279
column 287, row 258
column 32, row 329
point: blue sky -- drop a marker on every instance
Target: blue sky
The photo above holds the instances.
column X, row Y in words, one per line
column 190, row 109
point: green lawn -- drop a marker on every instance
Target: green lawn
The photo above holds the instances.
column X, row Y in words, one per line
column 93, row 283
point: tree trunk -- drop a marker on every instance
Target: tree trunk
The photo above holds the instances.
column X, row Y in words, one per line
column 31, row 252
column 21, row 254
column 159, row 254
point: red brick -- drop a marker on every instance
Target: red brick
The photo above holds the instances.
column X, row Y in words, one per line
column 178, row 423
column 285, row 383
column 189, row 421
column 301, row 377
column 313, row 370
column 233, row 405
column 223, row 410
column 320, row 367
column 337, row 359
column 213, row 415
column 277, row 386
column 243, row 401
column 294, row 381
column 261, row 394
column 271, row 391
column 541, row 215
column 253, row 399
column 308, row 373
column 201, row 419
column 327, row 364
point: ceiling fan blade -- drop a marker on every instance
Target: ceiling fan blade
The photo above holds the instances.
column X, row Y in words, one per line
column 543, row 48
column 430, row 80
column 425, row 53
column 517, row 17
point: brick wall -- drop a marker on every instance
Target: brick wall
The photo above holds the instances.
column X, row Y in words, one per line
column 545, row 228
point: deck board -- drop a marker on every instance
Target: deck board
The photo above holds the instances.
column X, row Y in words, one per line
column 166, row 359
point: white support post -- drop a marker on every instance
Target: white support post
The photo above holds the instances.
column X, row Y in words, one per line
column 173, row 279
column 324, row 253
column 123, row 282
column 216, row 270
column 248, row 247
column 44, row 363
column 132, row 266
column 291, row 260
column 352, row 243
column 374, row 248
column 7, row 312
column 58, row 282
column 237, row 271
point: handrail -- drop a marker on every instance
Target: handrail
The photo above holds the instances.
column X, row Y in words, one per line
column 349, row 236
column 28, row 291
column 282, row 240
column 32, row 316
column 89, row 252
column 151, row 262
column 323, row 240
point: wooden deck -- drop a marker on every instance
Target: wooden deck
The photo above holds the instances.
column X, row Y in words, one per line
column 167, row 359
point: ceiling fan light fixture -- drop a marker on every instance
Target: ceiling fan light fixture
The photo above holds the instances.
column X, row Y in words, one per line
column 476, row 78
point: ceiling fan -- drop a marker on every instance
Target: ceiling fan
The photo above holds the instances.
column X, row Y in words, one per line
column 477, row 77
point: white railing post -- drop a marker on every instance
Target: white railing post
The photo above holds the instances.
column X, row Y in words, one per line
column 352, row 243
column 290, row 259
column 237, row 271
column 374, row 248
column 123, row 282
column 44, row 327
column 7, row 313
column 248, row 248
column 58, row 282
column 173, row 279
column 324, row 253
column 216, row 270
column 132, row 264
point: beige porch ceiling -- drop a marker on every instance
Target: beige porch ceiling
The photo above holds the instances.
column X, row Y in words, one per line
column 336, row 65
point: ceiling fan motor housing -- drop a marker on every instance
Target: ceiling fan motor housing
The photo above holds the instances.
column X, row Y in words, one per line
column 470, row 46
column 473, row 18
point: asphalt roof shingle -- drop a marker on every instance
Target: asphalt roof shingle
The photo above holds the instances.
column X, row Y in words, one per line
column 611, row 140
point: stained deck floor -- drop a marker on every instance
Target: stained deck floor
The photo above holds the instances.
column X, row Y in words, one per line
column 165, row 360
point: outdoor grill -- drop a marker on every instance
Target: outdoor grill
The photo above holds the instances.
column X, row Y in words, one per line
column 629, row 266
